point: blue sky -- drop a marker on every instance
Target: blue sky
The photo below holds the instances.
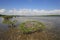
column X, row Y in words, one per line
column 30, row 7
column 30, row 4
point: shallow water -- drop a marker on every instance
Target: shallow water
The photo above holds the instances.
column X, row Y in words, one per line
column 49, row 22
column 52, row 24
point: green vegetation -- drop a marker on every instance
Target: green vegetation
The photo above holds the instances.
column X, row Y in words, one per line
column 7, row 20
column 31, row 26
column 6, row 17
column 50, row 16
column 29, row 16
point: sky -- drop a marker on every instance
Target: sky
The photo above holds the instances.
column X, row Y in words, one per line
column 29, row 7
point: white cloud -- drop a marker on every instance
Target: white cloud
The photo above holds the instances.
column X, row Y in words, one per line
column 29, row 12
column 2, row 10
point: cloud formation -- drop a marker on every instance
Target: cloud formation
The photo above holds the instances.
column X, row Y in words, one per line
column 2, row 10
column 29, row 12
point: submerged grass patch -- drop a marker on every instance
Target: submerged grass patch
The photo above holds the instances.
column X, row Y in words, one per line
column 31, row 26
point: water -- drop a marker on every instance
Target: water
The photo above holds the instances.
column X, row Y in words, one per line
column 49, row 22
column 52, row 25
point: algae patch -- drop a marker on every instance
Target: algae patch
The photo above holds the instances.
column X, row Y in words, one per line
column 31, row 26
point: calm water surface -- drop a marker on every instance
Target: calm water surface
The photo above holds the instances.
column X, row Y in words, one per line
column 49, row 22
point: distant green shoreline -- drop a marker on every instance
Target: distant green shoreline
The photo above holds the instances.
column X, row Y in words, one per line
column 31, row 16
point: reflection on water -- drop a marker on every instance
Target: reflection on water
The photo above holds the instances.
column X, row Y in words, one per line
column 52, row 24
column 48, row 21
